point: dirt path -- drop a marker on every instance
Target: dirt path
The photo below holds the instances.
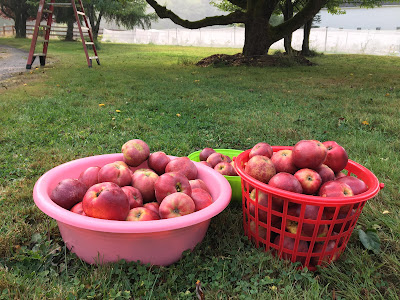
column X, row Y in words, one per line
column 13, row 61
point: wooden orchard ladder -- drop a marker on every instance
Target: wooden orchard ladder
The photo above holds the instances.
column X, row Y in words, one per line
column 83, row 28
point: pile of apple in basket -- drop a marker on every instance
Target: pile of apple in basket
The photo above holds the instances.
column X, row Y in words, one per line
column 167, row 188
column 311, row 168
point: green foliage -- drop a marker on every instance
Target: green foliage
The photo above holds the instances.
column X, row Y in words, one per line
column 126, row 13
column 52, row 115
column 370, row 240
column 224, row 5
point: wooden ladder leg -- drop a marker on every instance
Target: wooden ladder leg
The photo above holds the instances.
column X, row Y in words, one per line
column 31, row 57
column 47, row 33
column 88, row 28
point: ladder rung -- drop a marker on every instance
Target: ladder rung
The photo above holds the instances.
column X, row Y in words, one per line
column 80, row 13
column 45, row 26
column 85, row 28
column 93, row 57
column 39, row 54
column 89, row 43
column 47, row 11
column 60, row 4
column 42, row 41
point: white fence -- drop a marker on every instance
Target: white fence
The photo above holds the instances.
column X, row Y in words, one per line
column 330, row 40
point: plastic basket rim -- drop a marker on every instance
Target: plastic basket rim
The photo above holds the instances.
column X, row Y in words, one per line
column 318, row 200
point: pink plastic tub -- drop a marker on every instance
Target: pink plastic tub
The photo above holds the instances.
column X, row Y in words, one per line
column 99, row 241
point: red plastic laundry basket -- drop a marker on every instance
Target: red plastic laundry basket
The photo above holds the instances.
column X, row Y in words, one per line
column 265, row 225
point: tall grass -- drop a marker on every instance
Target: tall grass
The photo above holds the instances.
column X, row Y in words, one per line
column 52, row 115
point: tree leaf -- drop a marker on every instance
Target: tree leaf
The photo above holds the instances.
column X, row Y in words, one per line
column 370, row 240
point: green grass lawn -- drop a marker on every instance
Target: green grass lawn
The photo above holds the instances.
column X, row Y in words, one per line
column 52, row 115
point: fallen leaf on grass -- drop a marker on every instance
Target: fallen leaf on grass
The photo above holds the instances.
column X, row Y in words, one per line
column 365, row 122
column 178, row 115
column 101, row 104
column 117, row 110
column 385, row 212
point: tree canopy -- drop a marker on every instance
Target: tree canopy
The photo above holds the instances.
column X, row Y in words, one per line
column 255, row 15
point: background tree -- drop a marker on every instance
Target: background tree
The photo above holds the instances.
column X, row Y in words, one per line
column 66, row 15
column 123, row 12
column 19, row 11
column 255, row 14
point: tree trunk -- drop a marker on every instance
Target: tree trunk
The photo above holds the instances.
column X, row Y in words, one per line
column 96, row 27
column 20, row 25
column 70, row 30
column 287, row 11
column 257, row 35
column 305, row 49
column 256, row 38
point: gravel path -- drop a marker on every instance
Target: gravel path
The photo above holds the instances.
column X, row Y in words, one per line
column 13, row 61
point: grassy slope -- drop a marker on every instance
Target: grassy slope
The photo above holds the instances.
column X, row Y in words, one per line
column 52, row 115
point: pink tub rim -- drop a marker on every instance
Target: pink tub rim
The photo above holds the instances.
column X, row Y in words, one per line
column 218, row 185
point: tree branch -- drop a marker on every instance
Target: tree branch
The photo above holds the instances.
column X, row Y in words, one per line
column 163, row 12
column 309, row 11
column 4, row 11
column 240, row 3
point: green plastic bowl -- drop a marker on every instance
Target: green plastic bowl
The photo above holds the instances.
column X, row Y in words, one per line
column 234, row 181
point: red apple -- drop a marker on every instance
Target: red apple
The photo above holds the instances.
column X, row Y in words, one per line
column 234, row 168
column 158, row 161
column 283, row 161
column 106, row 200
column 176, row 205
column 216, row 158
column 326, row 173
column 262, row 231
column 343, row 215
column 288, row 244
column 310, row 213
column 205, row 153
column 201, row 198
column 144, row 180
column 225, row 168
column 182, row 165
column 309, row 154
column 142, row 214
column 262, row 199
column 117, row 172
column 68, row 192
column 309, row 180
column 335, row 188
column 134, row 196
column 261, row 168
column 261, row 148
column 327, row 258
column 205, row 163
column 287, row 182
column 169, row 183
column 336, row 157
column 198, row 183
column 78, row 209
column 154, row 206
column 90, row 176
column 339, row 175
column 135, row 152
column 357, row 185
